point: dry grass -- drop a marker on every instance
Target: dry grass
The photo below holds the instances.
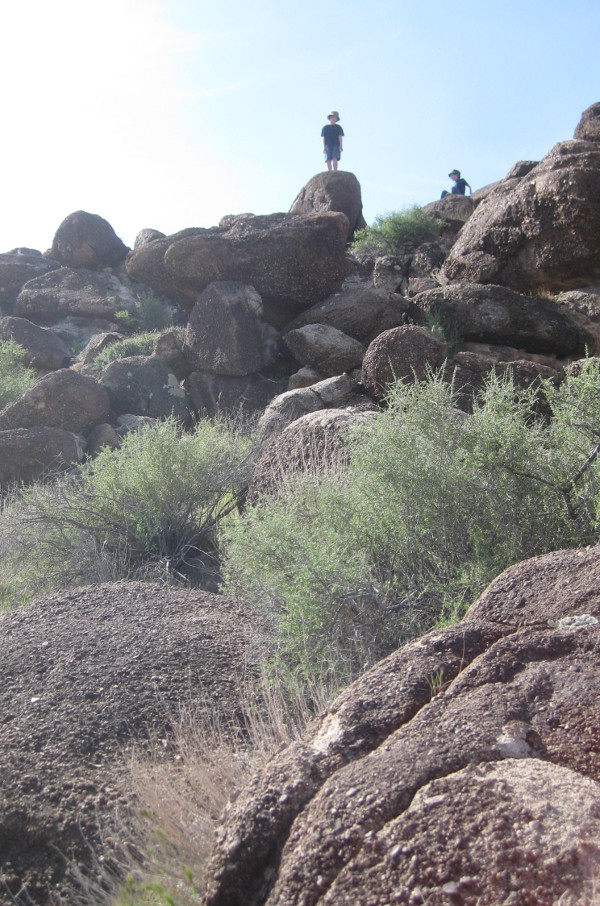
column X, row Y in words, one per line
column 183, row 786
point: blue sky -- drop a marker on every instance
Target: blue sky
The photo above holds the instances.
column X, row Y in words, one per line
column 171, row 113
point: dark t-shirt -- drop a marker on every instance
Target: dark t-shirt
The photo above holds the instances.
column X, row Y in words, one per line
column 331, row 135
column 459, row 187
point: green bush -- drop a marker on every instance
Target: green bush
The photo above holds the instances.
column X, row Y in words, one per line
column 391, row 232
column 15, row 377
column 434, row 504
column 151, row 312
column 151, row 508
column 138, row 344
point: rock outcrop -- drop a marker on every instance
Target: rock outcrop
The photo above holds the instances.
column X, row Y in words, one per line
column 27, row 454
column 403, row 353
column 544, row 233
column 87, row 241
column 62, row 399
column 461, row 769
column 337, row 191
column 291, row 260
column 87, row 675
column 44, row 350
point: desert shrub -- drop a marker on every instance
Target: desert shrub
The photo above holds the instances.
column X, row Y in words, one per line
column 15, row 376
column 149, row 509
column 150, row 313
column 138, row 344
column 390, row 232
column 433, row 505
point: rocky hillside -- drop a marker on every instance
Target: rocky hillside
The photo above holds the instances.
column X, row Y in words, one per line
column 461, row 769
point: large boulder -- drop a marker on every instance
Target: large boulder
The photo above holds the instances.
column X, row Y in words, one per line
column 313, row 444
column 87, row 676
column 143, row 385
column 359, row 310
column 495, row 314
column 453, row 211
column 225, row 334
column 16, row 269
column 211, row 394
column 88, row 241
column 463, row 768
column 588, row 127
column 325, row 348
column 79, row 293
column 44, row 350
column 334, row 392
column 332, row 191
column 61, row 399
column 471, row 367
column 30, row 453
column 544, row 233
column 407, row 353
column 291, row 260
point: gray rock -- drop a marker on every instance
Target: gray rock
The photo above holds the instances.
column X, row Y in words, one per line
column 45, row 351
column 142, row 385
column 88, row 241
column 62, row 399
column 324, row 348
column 30, row 453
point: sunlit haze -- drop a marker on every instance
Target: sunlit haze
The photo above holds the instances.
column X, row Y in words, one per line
column 172, row 113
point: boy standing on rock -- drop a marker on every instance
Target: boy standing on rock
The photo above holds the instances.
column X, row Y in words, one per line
column 332, row 140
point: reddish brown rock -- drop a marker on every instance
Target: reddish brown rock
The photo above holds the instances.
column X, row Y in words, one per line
column 588, row 127
column 545, row 232
column 461, row 769
column 336, row 191
column 403, row 353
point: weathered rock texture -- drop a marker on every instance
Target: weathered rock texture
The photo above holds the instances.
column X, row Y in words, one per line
column 16, row 269
column 312, row 444
column 404, row 353
column 325, row 348
column 545, row 232
column 67, row 292
column 225, row 334
column 497, row 315
column 87, row 240
column 362, row 312
column 44, row 350
column 30, row 453
column 291, row 260
column 339, row 191
column 588, row 127
column 62, row 399
column 142, row 385
column 463, row 768
column 86, row 675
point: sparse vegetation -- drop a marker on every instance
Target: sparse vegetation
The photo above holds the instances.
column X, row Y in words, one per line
column 151, row 508
column 15, row 376
column 151, row 312
column 138, row 344
column 392, row 232
column 434, row 504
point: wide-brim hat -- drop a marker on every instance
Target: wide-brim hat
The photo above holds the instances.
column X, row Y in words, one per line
column 333, row 113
